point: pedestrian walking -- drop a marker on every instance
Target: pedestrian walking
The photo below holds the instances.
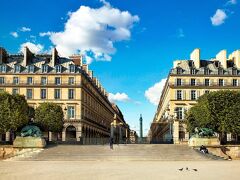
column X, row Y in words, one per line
column 111, row 143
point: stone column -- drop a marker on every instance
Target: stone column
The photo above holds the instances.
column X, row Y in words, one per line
column 8, row 136
column 64, row 135
column 50, row 136
column 176, row 132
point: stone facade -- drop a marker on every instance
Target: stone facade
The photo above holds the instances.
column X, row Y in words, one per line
column 187, row 80
column 88, row 114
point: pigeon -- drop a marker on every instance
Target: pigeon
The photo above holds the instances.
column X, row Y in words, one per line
column 195, row 169
column 187, row 168
column 180, row 169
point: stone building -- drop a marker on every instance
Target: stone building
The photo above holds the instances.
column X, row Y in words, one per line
column 187, row 80
column 88, row 114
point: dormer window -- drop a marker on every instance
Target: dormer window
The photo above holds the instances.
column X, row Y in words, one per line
column 179, row 70
column 3, row 68
column 72, row 68
column 31, row 69
column 220, row 71
column 206, row 71
column 234, row 71
column 58, row 69
column 44, row 68
column 193, row 71
column 17, row 68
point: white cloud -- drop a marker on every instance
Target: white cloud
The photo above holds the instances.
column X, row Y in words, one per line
column 231, row 2
column 153, row 93
column 42, row 34
column 219, row 17
column 93, row 32
column 120, row 97
column 25, row 29
column 14, row 34
column 34, row 48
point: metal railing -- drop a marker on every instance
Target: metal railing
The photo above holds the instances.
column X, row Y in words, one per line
column 39, row 83
column 225, row 84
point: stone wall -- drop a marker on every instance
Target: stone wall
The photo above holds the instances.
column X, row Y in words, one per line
column 226, row 151
column 8, row 151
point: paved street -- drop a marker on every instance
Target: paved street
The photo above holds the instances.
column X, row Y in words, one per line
column 124, row 162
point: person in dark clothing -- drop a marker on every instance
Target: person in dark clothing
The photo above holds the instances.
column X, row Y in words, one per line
column 203, row 149
column 111, row 143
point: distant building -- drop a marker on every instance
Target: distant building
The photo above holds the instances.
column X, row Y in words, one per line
column 88, row 114
column 187, row 80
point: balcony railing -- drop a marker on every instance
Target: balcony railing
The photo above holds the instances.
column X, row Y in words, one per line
column 39, row 83
column 226, row 84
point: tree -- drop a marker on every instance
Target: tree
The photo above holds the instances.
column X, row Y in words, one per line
column 13, row 112
column 217, row 110
column 50, row 117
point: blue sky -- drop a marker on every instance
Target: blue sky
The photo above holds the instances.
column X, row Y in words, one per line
column 130, row 44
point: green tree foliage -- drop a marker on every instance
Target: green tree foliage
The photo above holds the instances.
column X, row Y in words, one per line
column 218, row 110
column 50, row 117
column 13, row 112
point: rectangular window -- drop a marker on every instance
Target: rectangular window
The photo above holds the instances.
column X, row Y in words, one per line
column 235, row 82
column 179, row 113
column 220, row 71
column 15, row 80
column 179, row 70
column 193, row 82
column 17, row 68
column 43, row 93
column 179, row 94
column 193, row 94
column 31, row 69
column 71, row 80
column 71, row 112
column 29, row 94
column 57, row 94
column 206, row 71
column 193, row 71
column 58, row 69
column 221, row 82
column 43, row 80
column 70, row 93
column 29, row 80
column 71, row 68
column 179, row 82
column 2, row 80
column 234, row 71
column 207, row 91
column 44, row 68
column 14, row 91
column 207, row 82
column 57, row 80
column 3, row 68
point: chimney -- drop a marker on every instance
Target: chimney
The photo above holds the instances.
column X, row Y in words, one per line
column 195, row 56
column 77, row 59
column 3, row 55
column 28, row 55
column 54, row 57
column 222, row 57
column 90, row 73
column 85, row 67
column 235, row 56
